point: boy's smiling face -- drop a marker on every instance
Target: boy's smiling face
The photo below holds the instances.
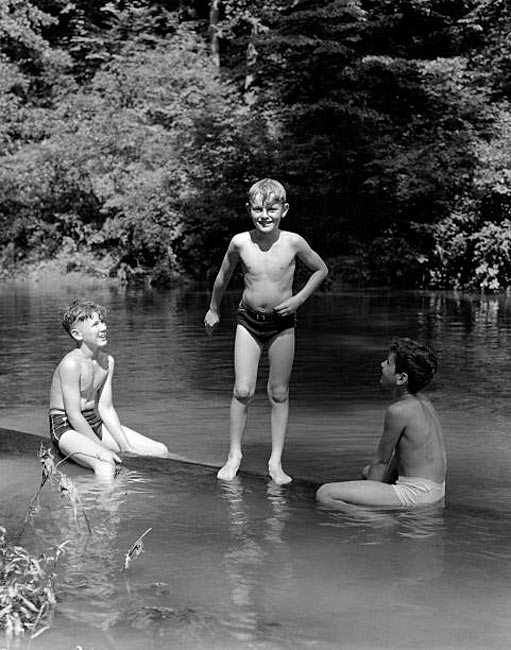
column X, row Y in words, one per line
column 267, row 213
column 92, row 331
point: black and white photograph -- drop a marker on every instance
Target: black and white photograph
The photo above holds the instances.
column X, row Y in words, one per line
column 255, row 324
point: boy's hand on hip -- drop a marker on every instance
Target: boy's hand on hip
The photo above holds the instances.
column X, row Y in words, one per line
column 287, row 307
column 211, row 320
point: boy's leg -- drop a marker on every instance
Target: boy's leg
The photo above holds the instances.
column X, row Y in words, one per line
column 360, row 493
column 142, row 445
column 247, row 352
column 87, row 453
column 281, row 355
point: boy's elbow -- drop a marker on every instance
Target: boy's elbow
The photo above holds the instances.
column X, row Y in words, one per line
column 220, row 281
column 320, row 272
column 105, row 409
column 75, row 418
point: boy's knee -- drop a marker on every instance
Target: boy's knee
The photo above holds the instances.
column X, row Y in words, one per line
column 163, row 450
column 243, row 394
column 278, row 394
column 323, row 494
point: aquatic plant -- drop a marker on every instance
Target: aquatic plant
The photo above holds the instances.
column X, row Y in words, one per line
column 67, row 488
column 51, row 473
column 136, row 550
column 27, row 595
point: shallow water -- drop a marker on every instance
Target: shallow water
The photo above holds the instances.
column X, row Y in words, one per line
column 250, row 565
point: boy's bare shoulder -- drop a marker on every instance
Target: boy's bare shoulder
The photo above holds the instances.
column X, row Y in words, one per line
column 293, row 238
column 402, row 409
column 296, row 242
column 240, row 239
column 70, row 360
column 413, row 408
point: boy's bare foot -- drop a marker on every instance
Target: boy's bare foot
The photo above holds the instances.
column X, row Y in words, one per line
column 278, row 475
column 230, row 469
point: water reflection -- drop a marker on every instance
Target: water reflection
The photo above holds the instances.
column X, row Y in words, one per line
column 413, row 541
column 276, row 522
column 257, row 560
column 88, row 572
column 243, row 561
column 279, row 558
column 281, row 566
column 419, row 549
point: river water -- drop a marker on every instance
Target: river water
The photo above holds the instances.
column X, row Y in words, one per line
column 250, row 565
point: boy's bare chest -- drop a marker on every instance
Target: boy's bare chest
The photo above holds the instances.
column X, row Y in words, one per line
column 275, row 261
column 93, row 375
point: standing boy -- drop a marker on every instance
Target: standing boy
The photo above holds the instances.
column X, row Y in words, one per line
column 412, row 432
column 266, row 315
column 84, row 424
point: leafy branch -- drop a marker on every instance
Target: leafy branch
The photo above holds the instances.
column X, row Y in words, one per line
column 136, row 550
column 51, row 473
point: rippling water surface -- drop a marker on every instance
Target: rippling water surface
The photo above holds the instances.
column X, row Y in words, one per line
column 247, row 564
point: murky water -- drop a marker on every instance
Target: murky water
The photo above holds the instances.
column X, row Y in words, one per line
column 249, row 565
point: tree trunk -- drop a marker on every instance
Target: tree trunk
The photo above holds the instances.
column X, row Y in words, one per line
column 214, row 43
column 250, row 61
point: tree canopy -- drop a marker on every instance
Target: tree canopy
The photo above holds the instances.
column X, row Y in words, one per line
column 130, row 133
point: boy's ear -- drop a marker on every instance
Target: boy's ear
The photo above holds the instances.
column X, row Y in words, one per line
column 285, row 210
column 76, row 334
column 401, row 379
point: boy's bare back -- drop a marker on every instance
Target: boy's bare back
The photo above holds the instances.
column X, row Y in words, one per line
column 420, row 451
column 411, row 443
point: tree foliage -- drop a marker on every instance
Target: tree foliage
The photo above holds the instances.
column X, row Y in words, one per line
column 131, row 131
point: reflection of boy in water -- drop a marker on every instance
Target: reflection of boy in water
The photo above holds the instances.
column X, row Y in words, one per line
column 411, row 431
column 266, row 315
column 83, row 421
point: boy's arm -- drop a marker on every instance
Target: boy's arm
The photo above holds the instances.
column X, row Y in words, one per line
column 107, row 411
column 227, row 267
column 319, row 272
column 381, row 463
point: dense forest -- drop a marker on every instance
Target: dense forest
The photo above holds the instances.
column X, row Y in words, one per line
column 131, row 131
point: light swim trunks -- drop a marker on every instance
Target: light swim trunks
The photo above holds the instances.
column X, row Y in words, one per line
column 263, row 325
column 59, row 424
column 413, row 491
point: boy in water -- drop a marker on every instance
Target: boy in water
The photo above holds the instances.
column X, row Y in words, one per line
column 84, row 424
column 266, row 315
column 412, row 432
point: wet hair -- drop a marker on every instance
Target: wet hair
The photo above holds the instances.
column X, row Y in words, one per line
column 80, row 310
column 269, row 190
column 416, row 360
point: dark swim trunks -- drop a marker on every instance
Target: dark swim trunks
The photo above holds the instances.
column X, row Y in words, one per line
column 59, row 424
column 263, row 325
